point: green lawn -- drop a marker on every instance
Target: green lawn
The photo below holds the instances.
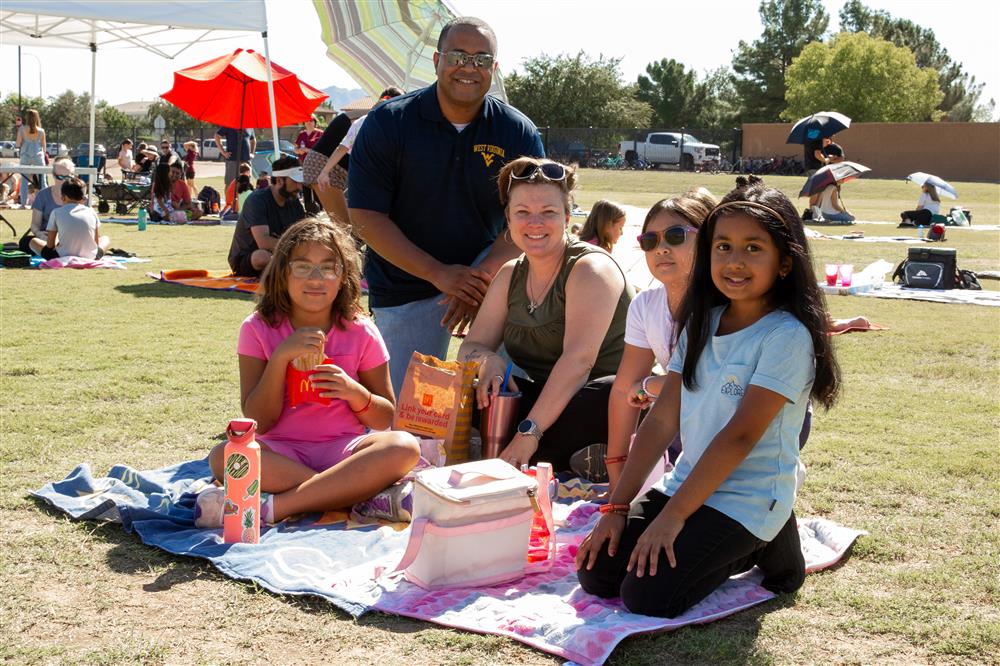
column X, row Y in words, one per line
column 110, row 367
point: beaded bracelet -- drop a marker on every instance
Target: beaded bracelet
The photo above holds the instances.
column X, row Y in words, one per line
column 615, row 459
column 620, row 509
column 367, row 405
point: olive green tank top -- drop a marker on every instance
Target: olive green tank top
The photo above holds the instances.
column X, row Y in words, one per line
column 534, row 340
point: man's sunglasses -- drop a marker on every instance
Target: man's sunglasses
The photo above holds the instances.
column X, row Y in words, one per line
column 650, row 240
column 551, row 171
column 460, row 59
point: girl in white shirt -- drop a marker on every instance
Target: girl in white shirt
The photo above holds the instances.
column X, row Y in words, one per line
column 667, row 238
column 927, row 205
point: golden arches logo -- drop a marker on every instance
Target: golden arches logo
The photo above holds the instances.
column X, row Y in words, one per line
column 305, row 386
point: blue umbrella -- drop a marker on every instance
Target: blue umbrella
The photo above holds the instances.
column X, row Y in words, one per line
column 942, row 186
column 818, row 126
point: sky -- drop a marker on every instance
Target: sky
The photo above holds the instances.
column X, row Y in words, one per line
column 703, row 35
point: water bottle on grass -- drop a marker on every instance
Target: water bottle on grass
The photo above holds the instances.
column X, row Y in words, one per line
column 142, row 218
column 241, row 511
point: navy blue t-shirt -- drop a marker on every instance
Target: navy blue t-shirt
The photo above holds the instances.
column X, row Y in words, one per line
column 438, row 185
column 232, row 136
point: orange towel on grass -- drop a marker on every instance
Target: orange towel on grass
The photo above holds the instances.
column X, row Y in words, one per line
column 202, row 279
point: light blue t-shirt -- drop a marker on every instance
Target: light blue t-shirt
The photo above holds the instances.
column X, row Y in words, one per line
column 775, row 353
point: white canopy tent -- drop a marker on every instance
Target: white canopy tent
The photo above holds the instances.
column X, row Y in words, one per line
column 164, row 28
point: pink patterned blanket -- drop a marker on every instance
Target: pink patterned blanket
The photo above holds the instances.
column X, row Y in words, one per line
column 550, row 612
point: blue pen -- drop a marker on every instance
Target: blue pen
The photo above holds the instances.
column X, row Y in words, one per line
column 506, row 376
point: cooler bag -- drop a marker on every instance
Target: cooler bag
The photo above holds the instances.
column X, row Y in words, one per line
column 472, row 524
column 930, row 268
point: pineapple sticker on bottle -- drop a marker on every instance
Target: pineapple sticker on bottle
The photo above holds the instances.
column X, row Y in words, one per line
column 241, row 513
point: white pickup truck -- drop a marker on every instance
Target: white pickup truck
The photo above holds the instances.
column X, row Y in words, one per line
column 665, row 148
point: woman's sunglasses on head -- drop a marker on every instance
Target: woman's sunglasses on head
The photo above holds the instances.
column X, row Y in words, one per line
column 650, row 240
column 551, row 171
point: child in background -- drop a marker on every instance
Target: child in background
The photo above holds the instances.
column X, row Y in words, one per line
column 232, row 200
column 264, row 181
column 928, row 204
column 190, row 155
column 243, row 190
column 73, row 229
column 753, row 351
column 317, row 457
column 604, row 225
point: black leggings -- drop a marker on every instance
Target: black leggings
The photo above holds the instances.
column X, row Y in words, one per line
column 583, row 422
column 922, row 216
column 710, row 548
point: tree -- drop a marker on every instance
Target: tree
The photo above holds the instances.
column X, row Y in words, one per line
column 869, row 79
column 670, row 90
column 961, row 92
column 575, row 91
column 760, row 67
column 175, row 118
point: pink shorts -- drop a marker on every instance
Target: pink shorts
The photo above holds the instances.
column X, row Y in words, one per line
column 317, row 456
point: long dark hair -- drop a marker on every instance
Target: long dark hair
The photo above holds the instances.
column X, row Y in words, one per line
column 161, row 183
column 602, row 215
column 273, row 302
column 797, row 293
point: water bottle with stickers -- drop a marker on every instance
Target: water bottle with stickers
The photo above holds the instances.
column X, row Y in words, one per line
column 241, row 510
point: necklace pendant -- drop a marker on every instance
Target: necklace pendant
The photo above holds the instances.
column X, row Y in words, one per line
column 531, row 308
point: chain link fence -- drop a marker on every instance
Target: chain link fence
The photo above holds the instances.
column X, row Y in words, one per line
column 588, row 146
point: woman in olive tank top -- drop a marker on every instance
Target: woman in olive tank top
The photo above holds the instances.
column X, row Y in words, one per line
column 559, row 310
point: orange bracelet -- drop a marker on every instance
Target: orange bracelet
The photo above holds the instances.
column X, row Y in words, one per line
column 614, row 460
column 365, row 408
column 620, row 509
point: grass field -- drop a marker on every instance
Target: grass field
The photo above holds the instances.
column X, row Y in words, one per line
column 110, row 367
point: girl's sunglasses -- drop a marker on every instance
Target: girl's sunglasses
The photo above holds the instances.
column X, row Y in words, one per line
column 650, row 240
column 551, row 171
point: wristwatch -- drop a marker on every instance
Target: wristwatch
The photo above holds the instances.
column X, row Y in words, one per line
column 530, row 428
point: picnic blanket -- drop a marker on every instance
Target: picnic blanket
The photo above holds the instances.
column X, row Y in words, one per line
column 345, row 562
column 205, row 220
column 203, row 279
column 966, row 296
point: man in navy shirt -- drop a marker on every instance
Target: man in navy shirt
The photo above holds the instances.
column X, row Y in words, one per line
column 240, row 147
column 422, row 194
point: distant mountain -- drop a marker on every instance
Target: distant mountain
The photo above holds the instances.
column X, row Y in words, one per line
column 341, row 96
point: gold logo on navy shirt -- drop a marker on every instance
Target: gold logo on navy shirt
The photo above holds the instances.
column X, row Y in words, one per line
column 488, row 152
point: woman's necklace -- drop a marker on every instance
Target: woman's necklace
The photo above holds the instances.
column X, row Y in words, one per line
column 532, row 304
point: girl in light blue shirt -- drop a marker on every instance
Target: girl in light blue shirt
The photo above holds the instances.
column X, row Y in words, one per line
column 753, row 351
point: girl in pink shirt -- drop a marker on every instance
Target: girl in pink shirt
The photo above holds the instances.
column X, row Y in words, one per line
column 315, row 457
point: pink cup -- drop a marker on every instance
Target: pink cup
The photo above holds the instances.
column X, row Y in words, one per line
column 831, row 274
column 846, row 274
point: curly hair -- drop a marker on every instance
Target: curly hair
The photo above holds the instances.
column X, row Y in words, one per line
column 505, row 184
column 798, row 293
column 273, row 302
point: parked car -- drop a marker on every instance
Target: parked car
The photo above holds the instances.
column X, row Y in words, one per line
column 210, row 151
column 8, row 149
column 84, row 149
column 665, row 148
column 268, row 147
column 57, row 150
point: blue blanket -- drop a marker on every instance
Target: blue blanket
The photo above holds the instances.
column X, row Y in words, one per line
column 158, row 505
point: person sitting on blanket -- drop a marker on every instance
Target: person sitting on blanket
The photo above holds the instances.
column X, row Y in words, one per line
column 753, row 350
column 180, row 193
column 317, row 457
column 266, row 215
column 46, row 201
column 559, row 309
column 73, row 229
column 928, row 205
column 232, row 190
column 831, row 208
column 161, row 204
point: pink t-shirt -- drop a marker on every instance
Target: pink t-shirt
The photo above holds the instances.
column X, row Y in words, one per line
column 358, row 348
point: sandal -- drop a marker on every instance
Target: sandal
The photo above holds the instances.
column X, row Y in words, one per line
column 588, row 463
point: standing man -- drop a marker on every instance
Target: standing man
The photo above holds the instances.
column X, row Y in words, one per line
column 423, row 196
column 266, row 215
column 240, row 147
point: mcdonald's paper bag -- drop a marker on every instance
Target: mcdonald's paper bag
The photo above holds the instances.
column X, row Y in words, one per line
column 436, row 402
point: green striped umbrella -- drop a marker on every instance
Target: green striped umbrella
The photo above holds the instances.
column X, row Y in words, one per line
column 384, row 43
